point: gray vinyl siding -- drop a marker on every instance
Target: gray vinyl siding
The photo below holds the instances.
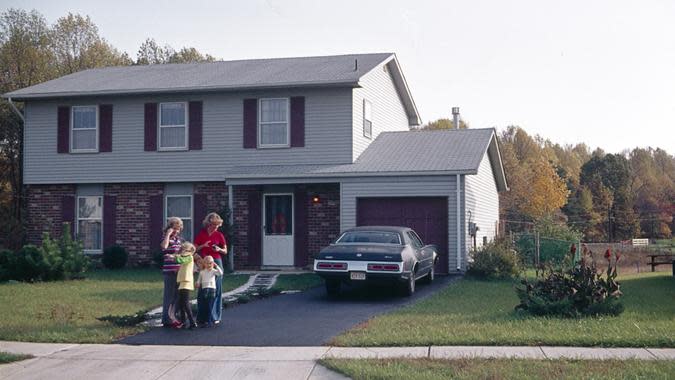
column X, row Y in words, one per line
column 429, row 186
column 328, row 124
column 388, row 112
column 482, row 200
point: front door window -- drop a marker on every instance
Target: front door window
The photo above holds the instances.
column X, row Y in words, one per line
column 278, row 215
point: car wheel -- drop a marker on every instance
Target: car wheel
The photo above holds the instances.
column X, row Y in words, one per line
column 409, row 286
column 333, row 287
column 429, row 278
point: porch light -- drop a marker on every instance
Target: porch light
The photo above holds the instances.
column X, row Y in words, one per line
column 316, row 199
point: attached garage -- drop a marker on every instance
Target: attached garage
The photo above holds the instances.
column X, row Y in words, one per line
column 428, row 216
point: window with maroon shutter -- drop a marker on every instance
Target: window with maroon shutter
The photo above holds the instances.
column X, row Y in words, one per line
column 250, row 123
column 105, row 115
column 68, row 212
column 150, row 143
column 298, row 121
column 63, row 130
column 195, row 126
column 109, row 220
column 156, row 220
column 199, row 212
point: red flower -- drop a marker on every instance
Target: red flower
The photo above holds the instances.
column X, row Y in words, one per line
column 573, row 249
column 608, row 254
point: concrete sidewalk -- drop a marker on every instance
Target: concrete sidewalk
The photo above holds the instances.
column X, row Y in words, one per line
column 120, row 362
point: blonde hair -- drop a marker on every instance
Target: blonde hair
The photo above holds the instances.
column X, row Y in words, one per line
column 212, row 217
column 172, row 222
column 187, row 248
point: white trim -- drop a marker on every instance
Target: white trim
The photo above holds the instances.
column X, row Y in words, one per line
column 192, row 211
column 459, row 226
column 77, row 221
column 97, row 129
column 160, row 126
column 288, row 125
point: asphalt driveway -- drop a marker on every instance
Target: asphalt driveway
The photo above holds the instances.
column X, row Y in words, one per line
column 302, row 319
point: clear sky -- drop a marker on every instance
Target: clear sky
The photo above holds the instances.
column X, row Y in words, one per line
column 599, row 72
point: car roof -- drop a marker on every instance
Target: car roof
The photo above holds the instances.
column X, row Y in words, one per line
column 380, row 228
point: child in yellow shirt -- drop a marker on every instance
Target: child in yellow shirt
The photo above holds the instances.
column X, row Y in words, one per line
column 185, row 280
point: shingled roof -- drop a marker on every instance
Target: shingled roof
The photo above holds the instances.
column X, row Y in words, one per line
column 442, row 152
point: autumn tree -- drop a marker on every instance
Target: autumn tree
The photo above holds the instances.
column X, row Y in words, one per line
column 443, row 123
column 150, row 53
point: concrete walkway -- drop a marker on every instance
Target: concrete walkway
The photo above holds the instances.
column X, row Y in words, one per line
column 84, row 361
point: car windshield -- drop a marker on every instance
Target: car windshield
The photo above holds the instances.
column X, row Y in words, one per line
column 376, row 237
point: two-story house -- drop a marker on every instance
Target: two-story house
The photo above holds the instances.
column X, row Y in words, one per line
column 298, row 148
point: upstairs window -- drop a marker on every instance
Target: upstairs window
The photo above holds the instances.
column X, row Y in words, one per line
column 273, row 126
column 172, row 126
column 84, row 134
column 367, row 119
column 90, row 222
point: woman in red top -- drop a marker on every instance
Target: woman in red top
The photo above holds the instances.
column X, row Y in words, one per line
column 211, row 242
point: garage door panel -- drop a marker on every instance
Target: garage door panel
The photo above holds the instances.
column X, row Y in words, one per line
column 428, row 216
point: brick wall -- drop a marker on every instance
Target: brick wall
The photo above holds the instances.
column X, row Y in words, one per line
column 323, row 218
column 44, row 212
column 240, row 216
column 132, row 227
column 132, row 230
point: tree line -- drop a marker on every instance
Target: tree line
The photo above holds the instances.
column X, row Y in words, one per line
column 607, row 197
column 33, row 51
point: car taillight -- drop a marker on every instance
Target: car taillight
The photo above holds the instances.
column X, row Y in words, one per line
column 383, row 267
column 325, row 265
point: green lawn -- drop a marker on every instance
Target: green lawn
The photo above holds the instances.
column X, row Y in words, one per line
column 7, row 357
column 66, row 311
column 501, row 369
column 473, row 312
column 301, row 281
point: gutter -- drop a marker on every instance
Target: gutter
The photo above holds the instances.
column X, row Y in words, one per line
column 16, row 110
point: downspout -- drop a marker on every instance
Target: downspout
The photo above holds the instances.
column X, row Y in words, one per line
column 16, row 110
column 459, row 226
column 230, row 202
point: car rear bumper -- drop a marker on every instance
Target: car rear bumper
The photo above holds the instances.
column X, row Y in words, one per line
column 362, row 266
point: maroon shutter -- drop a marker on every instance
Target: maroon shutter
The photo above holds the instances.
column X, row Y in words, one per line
column 250, row 123
column 254, row 229
column 199, row 212
column 63, row 131
column 156, row 220
column 105, row 127
column 298, row 121
column 150, row 127
column 195, row 128
column 68, row 212
column 300, row 230
column 109, row 220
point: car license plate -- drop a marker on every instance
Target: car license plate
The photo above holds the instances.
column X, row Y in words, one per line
column 357, row 275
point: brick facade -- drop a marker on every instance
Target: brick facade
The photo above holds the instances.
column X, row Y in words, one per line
column 44, row 212
column 132, row 226
column 323, row 220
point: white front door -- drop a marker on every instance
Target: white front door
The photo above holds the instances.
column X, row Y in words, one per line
column 277, row 229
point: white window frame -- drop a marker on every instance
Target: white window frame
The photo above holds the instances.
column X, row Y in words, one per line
column 192, row 211
column 72, row 129
column 160, row 126
column 370, row 105
column 288, row 124
column 78, row 218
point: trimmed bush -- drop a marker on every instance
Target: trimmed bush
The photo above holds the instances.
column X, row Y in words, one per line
column 579, row 291
column 7, row 262
column 115, row 257
column 495, row 260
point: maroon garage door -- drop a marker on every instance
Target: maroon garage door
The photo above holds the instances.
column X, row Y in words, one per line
column 427, row 216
